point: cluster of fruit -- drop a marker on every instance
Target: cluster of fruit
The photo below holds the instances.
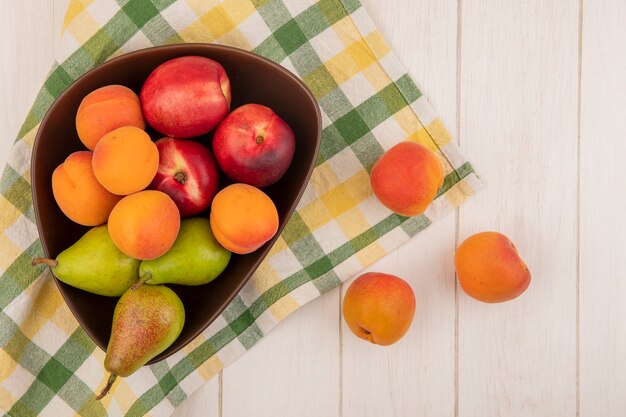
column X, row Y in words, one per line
column 379, row 307
column 145, row 200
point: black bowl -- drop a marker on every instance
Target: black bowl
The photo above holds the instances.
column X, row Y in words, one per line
column 254, row 79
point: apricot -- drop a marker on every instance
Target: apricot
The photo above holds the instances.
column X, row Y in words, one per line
column 144, row 225
column 107, row 109
column 379, row 307
column 406, row 178
column 79, row 194
column 489, row 268
column 125, row 160
column 243, row 218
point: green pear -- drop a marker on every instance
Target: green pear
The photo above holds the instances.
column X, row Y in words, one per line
column 196, row 257
column 146, row 321
column 95, row 264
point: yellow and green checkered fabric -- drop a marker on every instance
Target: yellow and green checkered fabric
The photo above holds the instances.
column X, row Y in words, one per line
column 49, row 366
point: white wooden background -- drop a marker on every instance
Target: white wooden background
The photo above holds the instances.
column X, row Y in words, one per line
column 536, row 92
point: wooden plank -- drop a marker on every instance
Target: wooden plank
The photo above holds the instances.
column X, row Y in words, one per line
column 518, row 111
column 602, row 208
column 423, row 34
column 294, row 371
column 60, row 7
column 25, row 28
column 414, row 377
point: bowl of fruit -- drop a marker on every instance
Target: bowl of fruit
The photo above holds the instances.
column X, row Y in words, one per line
column 161, row 179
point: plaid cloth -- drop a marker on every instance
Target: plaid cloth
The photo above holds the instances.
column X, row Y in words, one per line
column 49, row 366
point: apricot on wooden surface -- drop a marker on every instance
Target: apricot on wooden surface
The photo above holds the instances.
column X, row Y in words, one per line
column 379, row 307
column 490, row 269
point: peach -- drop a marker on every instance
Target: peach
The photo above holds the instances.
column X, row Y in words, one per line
column 186, row 96
column 125, row 160
column 144, row 225
column 79, row 194
column 406, row 178
column 379, row 307
column 243, row 218
column 489, row 268
column 107, row 109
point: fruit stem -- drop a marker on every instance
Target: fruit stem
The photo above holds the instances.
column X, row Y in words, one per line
column 141, row 281
column 259, row 139
column 107, row 387
column 180, row 177
column 50, row 262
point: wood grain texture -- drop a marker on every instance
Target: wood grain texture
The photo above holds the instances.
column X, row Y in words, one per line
column 60, row 7
column 518, row 111
column 294, row 371
column 414, row 377
column 423, row 34
column 27, row 50
column 602, row 210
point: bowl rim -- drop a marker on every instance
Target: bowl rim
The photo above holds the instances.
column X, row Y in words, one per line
column 267, row 247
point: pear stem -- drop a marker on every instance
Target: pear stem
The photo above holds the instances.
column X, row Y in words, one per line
column 107, row 387
column 141, row 281
column 50, row 262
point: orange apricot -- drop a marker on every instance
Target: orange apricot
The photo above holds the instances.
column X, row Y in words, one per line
column 379, row 307
column 406, row 178
column 79, row 194
column 107, row 109
column 125, row 160
column 489, row 268
column 243, row 218
column 144, row 225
